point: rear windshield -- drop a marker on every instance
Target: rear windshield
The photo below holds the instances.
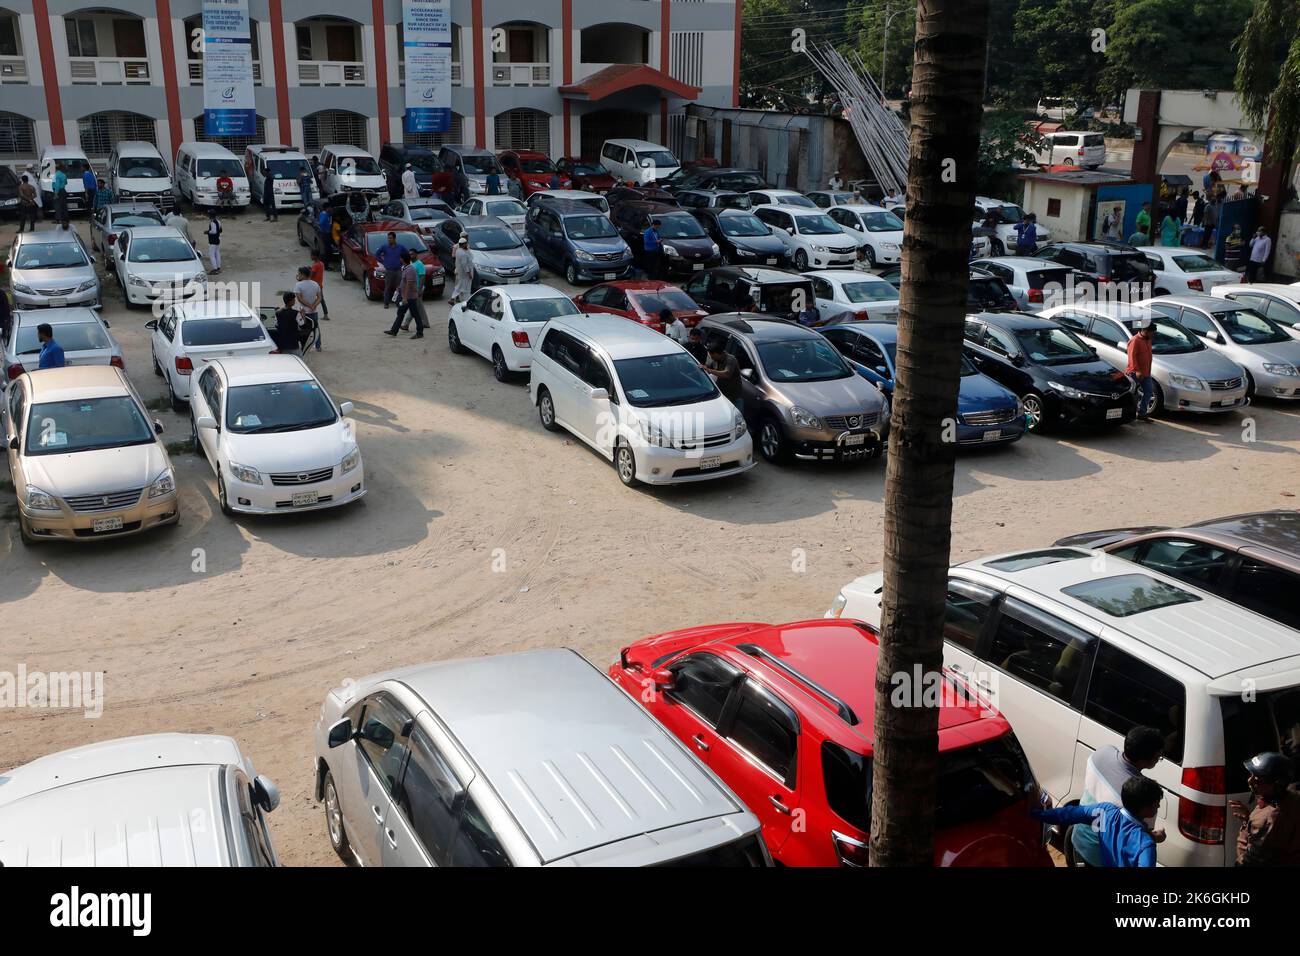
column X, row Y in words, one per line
column 221, row 331
column 652, row 303
column 142, row 218
column 1130, row 266
column 857, row 292
column 744, row 852
column 1197, row 263
column 539, row 310
column 1267, row 721
column 71, row 336
column 1094, row 139
column 505, row 207
column 1039, row 278
column 988, row 292
column 220, row 167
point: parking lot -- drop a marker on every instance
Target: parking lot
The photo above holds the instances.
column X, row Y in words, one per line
column 481, row 533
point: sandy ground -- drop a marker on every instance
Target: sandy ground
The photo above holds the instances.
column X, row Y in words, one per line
column 460, row 472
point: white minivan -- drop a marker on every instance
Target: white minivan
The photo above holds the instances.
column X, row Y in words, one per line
column 345, row 168
column 72, row 162
column 199, row 167
column 639, row 399
column 281, row 164
column 138, row 173
column 1076, row 647
column 637, row 160
column 1072, row 147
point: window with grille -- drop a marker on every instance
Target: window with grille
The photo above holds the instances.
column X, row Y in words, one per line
column 17, row 136
column 100, row 132
column 236, row 144
column 437, row 140
column 524, row 129
column 334, row 126
column 686, row 57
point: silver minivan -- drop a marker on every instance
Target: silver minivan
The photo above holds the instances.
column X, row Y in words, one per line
column 531, row 759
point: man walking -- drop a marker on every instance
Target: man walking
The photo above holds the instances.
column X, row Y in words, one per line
column 390, row 257
column 1026, row 236
column 268, row 200
column 318, row 277
column 286, row 325
column 410, row 293
column 1139, row 367
column 51, row 352
column 307, row 294
column 59, row 184
column 180, row 224
column 1210, row 220
column 1103, row 781
column 410, row 188
column 1270, row 828
column 28, row 204
column 103, row 195
column 1261, row 247
column 213, row 233
column 650, row 243
column 462, row 261
column 1144, row 217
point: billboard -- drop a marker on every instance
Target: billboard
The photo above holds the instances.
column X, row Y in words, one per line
column 426, row 42
column 228, row 105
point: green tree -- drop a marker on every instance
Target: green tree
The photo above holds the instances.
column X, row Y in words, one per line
column 1005, row 141
column 1173, row 44
column 1059, row 53
column 1268, row 73
column 869, row 34
column 774, row 75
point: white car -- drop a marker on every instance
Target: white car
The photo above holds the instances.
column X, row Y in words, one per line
column 814, row 239
column 826, row 198
column 1005, row 216
column 873, row 228
column 345, row 168
column 504, row 323
column 152, row 262
column 1069, row 147
column 639, row 399
column 594, row 200
column 194, row 332
column 780, row 197
column 1273, row 300
column 154, row 800
column 847, row 295
column 509, row 210
column 637, row 160
column 1076, row 647
column 1178, row 270
column 274, row 438
column 1031, row 280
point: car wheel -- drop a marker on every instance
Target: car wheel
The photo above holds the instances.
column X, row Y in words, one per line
column 871, row 258
column 625, row 464
column 546, row 411
column 1035, row 414
column 571, row 274
column 334, row 820
column 1157, row 399
column 1162, row 292
column 366, row 287
column 771, row 442
column 499, row 367
column 996, row 248
column 25, row 533
column 176, row 403
column 222, row 500
column 800, row 260
column 453, row 339
column 157, row 369
column 1067, row 161
column 343, row 266
column 1250, row 385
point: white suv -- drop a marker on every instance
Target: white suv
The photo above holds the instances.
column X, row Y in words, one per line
column 637, row 161
column 1077, row 647
column 639, row 399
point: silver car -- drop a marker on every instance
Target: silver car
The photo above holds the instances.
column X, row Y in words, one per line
column 109, row 220
column 1188, row 375
column 80, row 332
column 424, row 214
column 533, row 759
column 1031, row 280
column 506, row 208
column 1270, row 357
column 51, row 268
column 500, row 256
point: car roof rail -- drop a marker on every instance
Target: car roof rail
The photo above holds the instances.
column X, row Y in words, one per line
column 843, row 709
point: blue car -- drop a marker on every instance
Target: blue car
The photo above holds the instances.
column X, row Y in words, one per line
column 987, row 413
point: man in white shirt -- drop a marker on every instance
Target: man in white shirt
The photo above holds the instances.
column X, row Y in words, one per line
column 674, row 328
column 1261, row 247
column 307, row 295
column 410, row 188
column 1103, row 780
column 180, row 224
column 836, row 183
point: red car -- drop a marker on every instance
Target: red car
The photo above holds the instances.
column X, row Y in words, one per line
column 586, row 175
column 783, row 714
column 532, row 170
column 359, row 257
column 641, row 300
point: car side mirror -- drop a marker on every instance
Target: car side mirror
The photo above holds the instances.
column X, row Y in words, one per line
column 206, row 421
column 265, row 794
column 340, row 733
column 345, row 408
column 13, row 443
column 157, row 427
column 747, row 373
column 663, row 678
column 600, row 394
column 1213, row 336
column 1018, row 361
column 152, row 324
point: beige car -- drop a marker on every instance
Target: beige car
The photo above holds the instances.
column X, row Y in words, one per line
column 85, row 460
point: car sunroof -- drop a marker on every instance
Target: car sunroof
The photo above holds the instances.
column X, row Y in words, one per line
column 1129, row 594
column 1034, row 559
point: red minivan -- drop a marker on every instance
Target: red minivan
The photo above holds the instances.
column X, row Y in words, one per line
column 783, row 714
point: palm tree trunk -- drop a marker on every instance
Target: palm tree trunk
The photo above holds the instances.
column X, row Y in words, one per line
column 947, row 110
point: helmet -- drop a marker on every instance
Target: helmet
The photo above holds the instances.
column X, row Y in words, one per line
column 1271, row 766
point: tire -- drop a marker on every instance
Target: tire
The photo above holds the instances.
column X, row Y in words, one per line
column 1250, row 385
column 1035, row 413
column 453, row 339
column 1161, row 291
column 546, row 410
column 367, row 287
column 871, row 258
column 222, row 501
column 25, row 535
column 1157, row 400
column 570, row 274
column 625, row 464
column 334, row 820
column 800, row 260
column 343, row 267
column 157, row 369
column 178, row 406
column 499, row 367
column 772, row 444
column 1068, row 161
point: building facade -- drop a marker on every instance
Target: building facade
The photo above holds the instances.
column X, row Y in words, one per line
column 559, row 76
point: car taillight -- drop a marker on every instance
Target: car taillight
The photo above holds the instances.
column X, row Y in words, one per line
column 850, row 851
column 116, row 362
column 1103, row 278
column 1081, row 152
column 1195, row 285
column 863, row 314
column 1206, row 779
column 1201, row 822
column 520, row 339
column 183, row 365
column 112, row 238
column 1035, row 295
column 15, row 370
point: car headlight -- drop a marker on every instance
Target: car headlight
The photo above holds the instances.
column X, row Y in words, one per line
column 837, row 606
column 87, row 285
column 737, row 427
column 350, row 461
column 889, row 246
column 820, row 248
column 164, row 484
column 379, row 272
column 804, row 418
column 884, row 409
column 1279, row 369
column 132, row 279
column 1188, row 382
column 670, row 251
column 38, row 500
column 24, row 289
column 1065, row 390
column 745, row 254
column 249, row 476
column 715, row 248
column 584, row 256
column 653, row 436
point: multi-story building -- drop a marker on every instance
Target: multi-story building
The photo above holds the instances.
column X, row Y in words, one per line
column 555, row 75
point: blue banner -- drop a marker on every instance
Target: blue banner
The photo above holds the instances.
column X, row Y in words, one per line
column 426, row 39
column 228, row 105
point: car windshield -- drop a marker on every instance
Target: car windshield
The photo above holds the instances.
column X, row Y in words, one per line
column 586, row 169
column 142, row 167
column 734, row 201
column 220, row 167
column 589, row 227
column 480, row 164
column 680, row 226
column 277, row 407
column 358, row 166
column 794, row 199
column 506, row 207
column 1170, row 338
column 161, row 249
column 660, row 158
column 1198, row 264
column 780, row 297
column 802, row 360
column 424, row 162
column 817, row 226
column 743, row 226
column 405, row 240
column 1248, row 327
column 660, row 380
column 652, row 303
column 233, row 331
column 1053, row 346
column 71, row 336
column 1008, row 213
column 537, row 165
column 492, row 238
column 86, row 424
column 284, row 168
column 72, row 168
column 882, row 222
column 138, row 219
column 881, row 291
column 539, row 310
column 50, row 255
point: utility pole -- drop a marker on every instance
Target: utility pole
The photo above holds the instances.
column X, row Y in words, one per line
column 884, row 55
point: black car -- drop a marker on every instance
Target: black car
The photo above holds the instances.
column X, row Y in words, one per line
column 621, row 194
column 1059, row 379
column 726, row 177
column 430, row 174
column 683, row 244
column 694, row 199
column 1095, row 263
column 743, row 238
column 775, row 293
column 984, row 293
column 8, row 191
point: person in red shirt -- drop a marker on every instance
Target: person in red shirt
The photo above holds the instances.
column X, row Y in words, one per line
column 318, row 276
column 1139, row 367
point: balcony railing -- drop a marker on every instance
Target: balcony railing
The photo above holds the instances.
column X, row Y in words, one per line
column 196, row 72
column 13, row 69
column 331, row 73
column 108, row 71
column 521, row 74
column 455, row 73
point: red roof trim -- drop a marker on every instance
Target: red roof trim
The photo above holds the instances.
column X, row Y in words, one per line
column 624, row 76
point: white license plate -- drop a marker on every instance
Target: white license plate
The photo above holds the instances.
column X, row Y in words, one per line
column 771, row 262
column 993, row 434
column 515, row 281
column 609, row 275
column 707, row 463
column 855, row 439
column 302, row 498
column 698, row 267
column 58, row 302
column 107, row 524
column 1114, row 413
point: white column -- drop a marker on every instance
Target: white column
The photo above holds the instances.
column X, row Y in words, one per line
column 180, row 52
column 61, row 67
column 290, row 55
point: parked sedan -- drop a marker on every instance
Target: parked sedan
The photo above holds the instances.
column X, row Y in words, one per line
column 51, row 269
column 641, row 300
column 1034, row 282
column 781, row 197
column 1275, row 301
column 1186, row 375
column 586, row 175
column 359, row 257
column 876, row 230
column 274, row 437
column 153, row 262
column 533, row 171
column 987, row 413
column 684, row 245
column 1058, row 378
column 193, row 333
column 109, row 220
column 743, row 238
column 81, row 333
column 503, row 323
column 826, row 198
column 508, row 210
column 84, row 459
column 1259, row 345
column 844, row 295
column 694, row 199
column 423, row 215
column 1176, row 270
column 500, row 257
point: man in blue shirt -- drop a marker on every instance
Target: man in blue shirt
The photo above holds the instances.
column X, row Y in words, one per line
column 1123, row 839
column 390, row 257
column 51, row 353
column 1103, row 781
column 650, row 242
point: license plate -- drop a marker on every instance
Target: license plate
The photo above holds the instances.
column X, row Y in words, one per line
column 771, row 262
column 58, row 302
column 698, row 267
column 993, row 434
column 855, row 439
column 1114, row 413
column 609, row 275
column 107, row 524
column 514, row 281
column 707, row 463
column 302, row 498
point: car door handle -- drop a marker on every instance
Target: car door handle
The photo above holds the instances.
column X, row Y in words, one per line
column 780, row 807
column 698, row 740
column 392, row 838
column 379, row 814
